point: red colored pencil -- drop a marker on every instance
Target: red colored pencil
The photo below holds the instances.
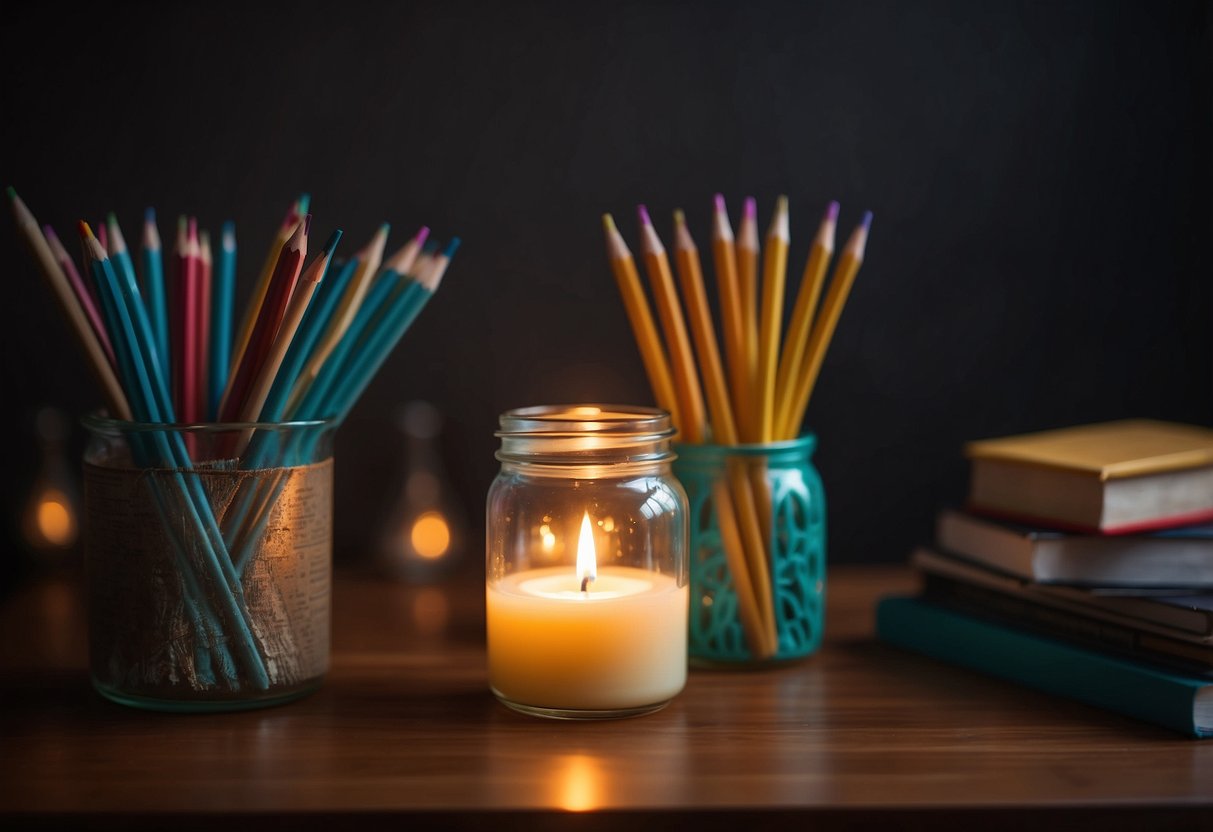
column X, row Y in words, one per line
column 187, row 263
column 269, row 319
column 202, row 291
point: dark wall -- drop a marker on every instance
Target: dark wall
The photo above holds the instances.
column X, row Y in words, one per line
column 1039, row 172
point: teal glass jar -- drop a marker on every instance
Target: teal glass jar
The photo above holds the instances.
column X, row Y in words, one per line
column 757, row 551
column 208, row 557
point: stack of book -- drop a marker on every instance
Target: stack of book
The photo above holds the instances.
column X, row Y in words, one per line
column 1082, row 565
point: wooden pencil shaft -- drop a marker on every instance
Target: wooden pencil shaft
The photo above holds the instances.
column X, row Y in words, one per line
column 85, row 297
column 775, row 261
column 78, row 322
column 747, row 279
column 261, row 287
column 644, row 330
column 690, row 274
column 269, row 319
column 819, row 338
column 724, row 258
column 682, row 361
column 755, row 549
column 730, row 540
column 798, row 333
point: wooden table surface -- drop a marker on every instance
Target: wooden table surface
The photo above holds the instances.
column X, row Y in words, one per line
column 858, row 736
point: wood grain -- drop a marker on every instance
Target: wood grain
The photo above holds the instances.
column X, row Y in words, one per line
column 405, row 724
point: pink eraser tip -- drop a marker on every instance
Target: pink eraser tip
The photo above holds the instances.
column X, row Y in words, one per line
column 866, row 222
column 832, row 211
column 307, row 224
column 719, row 200
column 751, row 207
column 421, row 234
column 643, row 213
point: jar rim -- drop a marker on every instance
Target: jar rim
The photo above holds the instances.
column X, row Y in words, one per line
column 564, row 420
column 101, row 423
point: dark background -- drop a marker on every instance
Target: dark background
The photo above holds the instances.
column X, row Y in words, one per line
column 1039, row 172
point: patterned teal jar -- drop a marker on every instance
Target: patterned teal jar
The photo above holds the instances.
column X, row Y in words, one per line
column 757, row 551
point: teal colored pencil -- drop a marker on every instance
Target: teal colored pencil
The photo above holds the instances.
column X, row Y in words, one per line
column 156, row 449
column 223, row 294
column 153, row 284
column 362, row 366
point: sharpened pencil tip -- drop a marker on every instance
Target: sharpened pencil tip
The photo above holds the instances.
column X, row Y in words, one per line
column 451, row 247
column 11, row 191
column 679, row 217
column 422, row 234
column 304, row 203
column 643, row 213
column 781, row 204
column 86, row 233
column 832, row 211
column 866, row 222
column 149, row 215
column 307, row 224
column 49, row 232
column 385, row 228
column 751, row 208
column 334, row 238
column 718, row 200
column 608, row 224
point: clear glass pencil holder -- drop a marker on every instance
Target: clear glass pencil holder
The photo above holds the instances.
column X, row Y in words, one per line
column 757, row 553
column 586, row 569
column 208, row 553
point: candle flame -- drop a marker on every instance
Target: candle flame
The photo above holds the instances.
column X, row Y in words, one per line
column 587, row 558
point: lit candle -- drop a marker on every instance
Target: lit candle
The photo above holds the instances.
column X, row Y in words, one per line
column 590, row 638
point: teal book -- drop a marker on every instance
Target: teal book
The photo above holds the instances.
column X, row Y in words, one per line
column 1181, row 703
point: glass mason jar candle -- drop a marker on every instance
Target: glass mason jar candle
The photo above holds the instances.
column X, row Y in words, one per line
column 587, row 581
column 207, row 572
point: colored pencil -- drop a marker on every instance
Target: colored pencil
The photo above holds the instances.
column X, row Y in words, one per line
column 827, row 319
column 652, row 354
column 269, row 318
column 807, row 297
column 369, row 258
column 203, row 327
column 186, row 263
column 223, row 295
column 774, row 274
column 82, row 329
column 253, row 308
column 692, row 426
column 153, row 285
column 84, row 295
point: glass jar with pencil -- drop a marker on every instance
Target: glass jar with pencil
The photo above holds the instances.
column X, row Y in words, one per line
column 757, row 504
column 208, row 480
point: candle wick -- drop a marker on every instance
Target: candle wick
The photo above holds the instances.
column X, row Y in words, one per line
column 585, row 583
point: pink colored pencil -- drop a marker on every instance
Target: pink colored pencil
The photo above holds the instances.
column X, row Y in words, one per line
column 269, row 319
column 85, row 297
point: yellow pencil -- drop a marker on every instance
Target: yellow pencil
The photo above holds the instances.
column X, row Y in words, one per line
column 686, row 379
column 724, row 257
column 823, row 328
column 802, row 317
column 652, row 354
column 738, row 504
column 774, row 276
column 747, row 281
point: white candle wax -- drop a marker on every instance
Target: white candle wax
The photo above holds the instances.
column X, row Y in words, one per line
column 621, row 644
